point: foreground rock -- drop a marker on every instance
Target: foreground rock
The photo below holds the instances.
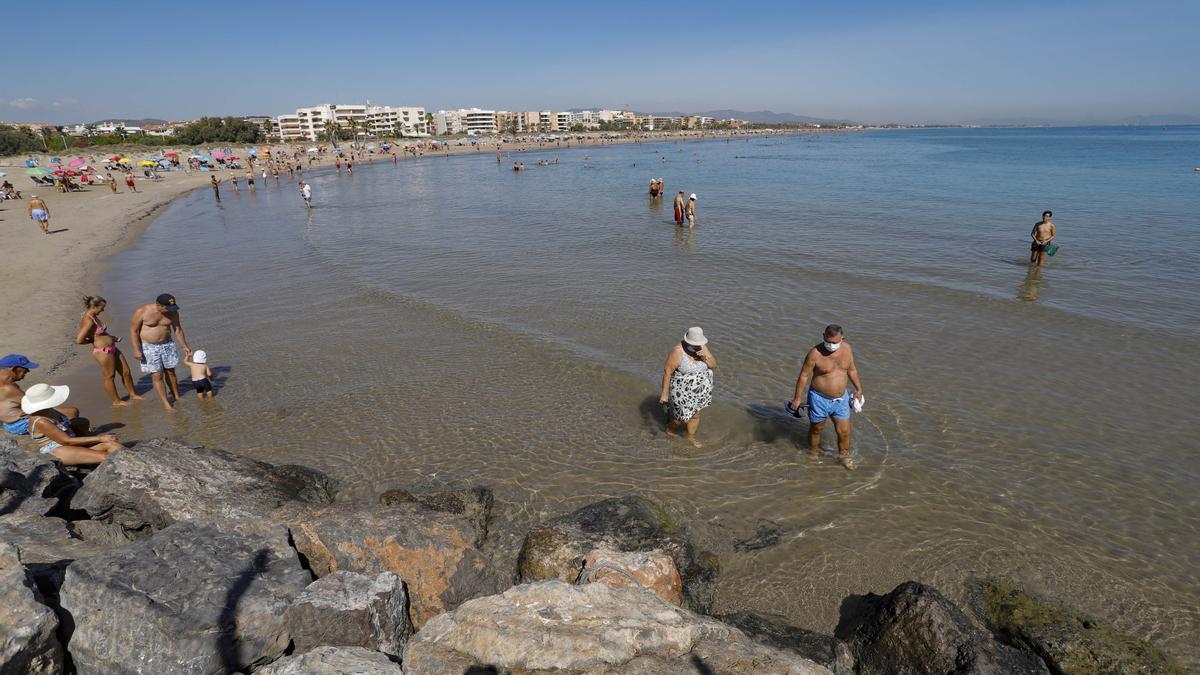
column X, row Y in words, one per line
column 191, row 599
column 774, row 632
column 553, row 627
column 28, row 642
column 47, row 545
column 432, row 552
column 29, row 483
column 474, row 504
column 157, row 483
column 333, row 661
column 915, row 629
column 1068, row 640
column 556, row 548
column 652, row 571
column 345, row 609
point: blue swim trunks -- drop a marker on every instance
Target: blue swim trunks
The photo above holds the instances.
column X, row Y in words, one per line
column 821, row 407
column 18, row 428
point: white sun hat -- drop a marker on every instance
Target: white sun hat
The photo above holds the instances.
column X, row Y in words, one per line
column 693, row 196
column 42, row 396
column 695, row 336
column 200, row 356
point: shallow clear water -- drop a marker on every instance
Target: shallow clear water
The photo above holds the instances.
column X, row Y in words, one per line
column 448, row 321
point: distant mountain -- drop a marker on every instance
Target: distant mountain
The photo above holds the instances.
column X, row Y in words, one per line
column 134, row 123
column 1155, row 120
column 770, row 117
column 1020, row 122
column 1135, row 120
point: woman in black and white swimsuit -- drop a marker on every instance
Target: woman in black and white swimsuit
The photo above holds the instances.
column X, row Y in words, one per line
column 687, row 382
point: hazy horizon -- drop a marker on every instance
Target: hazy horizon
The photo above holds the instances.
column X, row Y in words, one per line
column 931, row 61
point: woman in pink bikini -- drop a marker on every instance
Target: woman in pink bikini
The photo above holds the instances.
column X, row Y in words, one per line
column 104, row 349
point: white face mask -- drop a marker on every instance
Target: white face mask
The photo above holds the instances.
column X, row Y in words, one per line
column 832, row 346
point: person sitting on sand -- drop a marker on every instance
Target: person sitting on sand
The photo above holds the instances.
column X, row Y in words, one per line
column 14, row 368
column 104, row 349
column 39, row 213
column 51, row 431
column 687, row 382
column 1043, row 233
column 10, row 191
column 830, row 365
column 197, row 361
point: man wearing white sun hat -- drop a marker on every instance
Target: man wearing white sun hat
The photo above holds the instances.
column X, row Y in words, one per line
column 50, row 430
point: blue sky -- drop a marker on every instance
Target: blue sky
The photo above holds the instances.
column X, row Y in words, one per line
column 916, row 61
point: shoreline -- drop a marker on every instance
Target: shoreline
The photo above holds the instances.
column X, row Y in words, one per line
column 88, row 229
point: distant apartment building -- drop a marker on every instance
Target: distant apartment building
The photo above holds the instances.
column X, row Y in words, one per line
column 516, row 122
column 314, row 122
column 472, row 121
column 402, row 121
column 696, row 122
column 265, row 123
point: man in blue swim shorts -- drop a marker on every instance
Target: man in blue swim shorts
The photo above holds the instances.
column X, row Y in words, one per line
column 13, row 369
column 830, row 366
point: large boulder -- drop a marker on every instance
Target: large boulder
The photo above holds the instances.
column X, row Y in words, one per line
column 29, row 483
column 333, row 661
column 556, row 548
column 347, row 609
column 28, row 628
column 157, row 483
column 431, row 551
column 775, row 632
column 191, row 599
column 553, row 627
column 1066, row 639
column 915, row 629
column 474, row 504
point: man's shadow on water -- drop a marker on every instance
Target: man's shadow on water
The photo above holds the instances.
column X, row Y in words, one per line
column 227, row 639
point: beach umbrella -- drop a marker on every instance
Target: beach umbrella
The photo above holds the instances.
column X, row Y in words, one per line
column 146, row 162
column 218, row 155
column 78, row 161
column 38, row 171
column 2, row 174
column 114, row 158
column 172, row 154
column 55, row 160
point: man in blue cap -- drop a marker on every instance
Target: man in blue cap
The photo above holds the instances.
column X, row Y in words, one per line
column 13, row 368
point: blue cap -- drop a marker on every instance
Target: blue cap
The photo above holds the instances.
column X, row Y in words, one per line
column 17, row 361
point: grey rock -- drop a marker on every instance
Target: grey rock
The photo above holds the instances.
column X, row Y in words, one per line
column 474, row 504
column 156, row 483
column 105, row 534
column 915, row 629
column 1068, row 640
column 28, row 638
column 333, row 661
column 555, row 549
column 347, row 609
column 554, row 627
column 775, row 632
column 432, row 552
column 32, row 483
column 47, row 544
column 191, row 599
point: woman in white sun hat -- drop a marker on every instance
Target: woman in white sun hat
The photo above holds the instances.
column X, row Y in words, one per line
column 49, row 428
column 687, row 382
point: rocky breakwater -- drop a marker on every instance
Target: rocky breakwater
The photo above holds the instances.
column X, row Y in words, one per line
column 177, row 559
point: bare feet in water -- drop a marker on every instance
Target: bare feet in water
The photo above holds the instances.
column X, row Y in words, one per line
column 135, row 397
column 695, row 442
column 814, row 455
column 120, row 403
column 847, row 462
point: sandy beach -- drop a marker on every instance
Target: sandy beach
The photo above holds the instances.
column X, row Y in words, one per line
column 40, row 299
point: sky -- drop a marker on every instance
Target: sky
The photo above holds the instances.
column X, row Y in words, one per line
column 875, row 61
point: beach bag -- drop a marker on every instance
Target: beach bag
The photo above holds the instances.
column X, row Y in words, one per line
column 1051, row 248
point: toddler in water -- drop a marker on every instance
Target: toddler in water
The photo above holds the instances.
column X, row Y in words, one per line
column 198, row 362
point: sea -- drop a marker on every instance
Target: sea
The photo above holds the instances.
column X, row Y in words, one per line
column 447, row 322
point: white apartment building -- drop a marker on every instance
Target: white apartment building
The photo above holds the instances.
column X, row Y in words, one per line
column 473, row 121
column 390, row 120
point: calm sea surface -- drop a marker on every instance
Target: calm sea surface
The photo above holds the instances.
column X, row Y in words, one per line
column 451, row 322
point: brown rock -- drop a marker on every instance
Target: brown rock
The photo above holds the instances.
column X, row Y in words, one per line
column 431, row 551
column 652, row 571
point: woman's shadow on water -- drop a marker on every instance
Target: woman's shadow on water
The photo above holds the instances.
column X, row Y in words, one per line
column 768, row 424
